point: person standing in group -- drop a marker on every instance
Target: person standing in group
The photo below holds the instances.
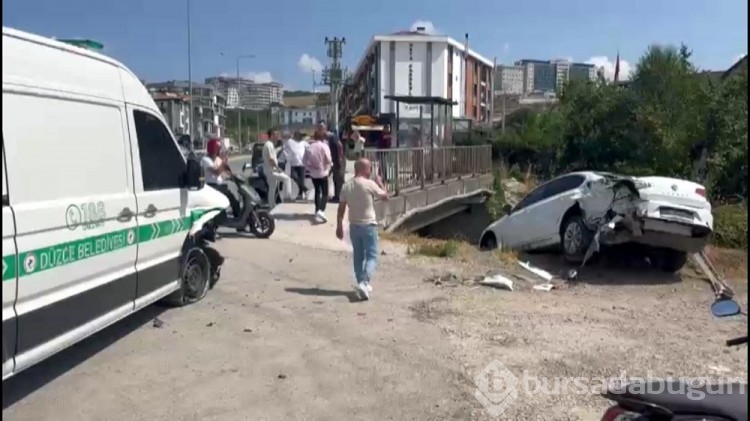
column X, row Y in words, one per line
column 359, row 144
column 295, row 148
column 317, row 161
column 358, row 196
column 271, row 170
column 338, row 169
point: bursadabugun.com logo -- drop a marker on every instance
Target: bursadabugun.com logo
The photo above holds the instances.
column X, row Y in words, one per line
column 498, row 387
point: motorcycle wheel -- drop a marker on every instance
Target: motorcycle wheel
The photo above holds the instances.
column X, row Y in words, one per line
column 262, row 225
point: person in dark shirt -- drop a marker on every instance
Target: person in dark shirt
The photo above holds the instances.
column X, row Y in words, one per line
column 338, row 157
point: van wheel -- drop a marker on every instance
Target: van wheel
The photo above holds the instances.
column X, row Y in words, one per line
column 195, row 274
column 576, row 239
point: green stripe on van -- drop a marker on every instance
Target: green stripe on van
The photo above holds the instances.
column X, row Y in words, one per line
column 9, row 267
column 62, row 254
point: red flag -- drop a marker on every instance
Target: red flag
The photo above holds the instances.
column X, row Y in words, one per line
column 617, row 67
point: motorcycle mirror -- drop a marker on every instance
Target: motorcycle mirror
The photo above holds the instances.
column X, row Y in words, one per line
column 725, row 307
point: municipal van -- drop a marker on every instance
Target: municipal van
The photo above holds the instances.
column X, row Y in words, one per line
column 102, row 213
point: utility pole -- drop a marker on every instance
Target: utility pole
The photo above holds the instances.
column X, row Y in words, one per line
column 190, row 79
column 333, row 75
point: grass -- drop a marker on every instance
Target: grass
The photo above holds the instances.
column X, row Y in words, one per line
column 454, row 249
column 730, row 227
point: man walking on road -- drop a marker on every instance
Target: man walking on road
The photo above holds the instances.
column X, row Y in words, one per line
column 358, row 195
column 338, row 157
column 271, row 170
column 295, row 148
column 317, row 162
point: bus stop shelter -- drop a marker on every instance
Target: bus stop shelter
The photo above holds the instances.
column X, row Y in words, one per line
column 431, row 128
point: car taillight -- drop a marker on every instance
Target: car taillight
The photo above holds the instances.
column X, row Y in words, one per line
column 615, row 413
column 700, row 192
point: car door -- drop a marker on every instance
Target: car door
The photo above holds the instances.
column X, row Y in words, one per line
column 69, row 177
column 10, row 259
column 544, row 215
column 514, row 228
column 161, row 203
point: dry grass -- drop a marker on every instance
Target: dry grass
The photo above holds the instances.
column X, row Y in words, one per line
column 731, row 263
column 456, row 249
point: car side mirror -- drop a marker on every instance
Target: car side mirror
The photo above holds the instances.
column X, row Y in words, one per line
column 193, row 179
column 507, row 209
column 725, row 308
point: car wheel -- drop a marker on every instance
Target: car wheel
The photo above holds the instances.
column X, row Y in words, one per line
column 670, row 260
column 576, row 239
column 488, row 242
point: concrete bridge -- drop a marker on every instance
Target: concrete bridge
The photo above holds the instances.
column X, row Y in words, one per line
column 429, row 185
column 426, row 185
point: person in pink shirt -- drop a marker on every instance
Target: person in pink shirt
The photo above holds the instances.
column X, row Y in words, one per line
column 317, row 161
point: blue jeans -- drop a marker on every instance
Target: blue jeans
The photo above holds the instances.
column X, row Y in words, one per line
column 365, row 243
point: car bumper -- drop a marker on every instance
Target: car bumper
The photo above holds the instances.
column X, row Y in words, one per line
column 663, row 224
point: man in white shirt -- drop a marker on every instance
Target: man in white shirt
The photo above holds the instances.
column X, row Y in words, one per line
column 271, row 170
column 215, row 166
column 359, row 144
column 295, row 148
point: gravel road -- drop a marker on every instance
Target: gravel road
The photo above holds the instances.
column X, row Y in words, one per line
column 279, row 338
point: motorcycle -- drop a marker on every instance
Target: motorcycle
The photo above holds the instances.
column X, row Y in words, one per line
column 662, row 402
column 254, row 214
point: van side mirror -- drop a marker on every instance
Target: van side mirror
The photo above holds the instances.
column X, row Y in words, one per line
column 193, row 178
column 507, row 209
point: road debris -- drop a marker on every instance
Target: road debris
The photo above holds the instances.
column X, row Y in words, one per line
column 497, row 281
column 544, row 287
column 282, row 376
column 247, row 330
column 158, row 323
column 210, row 324
column 536, row 271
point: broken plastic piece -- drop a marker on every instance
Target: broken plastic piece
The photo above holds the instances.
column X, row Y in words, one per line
column 544, row 287
column 536, row 271
column 497, row 281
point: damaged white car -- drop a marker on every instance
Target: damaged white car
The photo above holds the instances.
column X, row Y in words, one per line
column 581, row 210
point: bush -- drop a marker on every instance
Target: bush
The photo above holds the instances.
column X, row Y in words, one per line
column 730, row 226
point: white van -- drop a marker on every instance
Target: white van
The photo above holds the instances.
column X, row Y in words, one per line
column 100, row 208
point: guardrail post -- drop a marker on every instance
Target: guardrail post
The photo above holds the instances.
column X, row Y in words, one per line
column 398, row 172
column 422, row 165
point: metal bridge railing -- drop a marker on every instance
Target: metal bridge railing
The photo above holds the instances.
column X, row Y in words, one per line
column 416, row 168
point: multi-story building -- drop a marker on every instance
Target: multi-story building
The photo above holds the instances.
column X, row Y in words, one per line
column 304, row 118
column 415, row 63
column 209, row 119
column 543, row 76
column 246, row 93
column 236, row 91
column 176, row 110
column 510, row 80
column 262, row 95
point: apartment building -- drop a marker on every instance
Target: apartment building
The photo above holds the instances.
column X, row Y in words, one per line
column 208, row 106
column 176, row 110
column 510, row 80
column 542, row 76
column 419, row 64
column 246, row 93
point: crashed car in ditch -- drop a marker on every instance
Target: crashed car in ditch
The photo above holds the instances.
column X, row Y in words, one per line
column 582, row 210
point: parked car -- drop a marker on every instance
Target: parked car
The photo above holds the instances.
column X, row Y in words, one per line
column 581, row 210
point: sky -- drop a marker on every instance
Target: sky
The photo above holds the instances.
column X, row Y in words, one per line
column 287, row 36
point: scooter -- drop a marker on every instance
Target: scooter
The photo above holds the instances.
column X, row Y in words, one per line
column 254, row 214
column 661, row 401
